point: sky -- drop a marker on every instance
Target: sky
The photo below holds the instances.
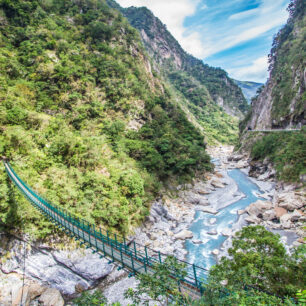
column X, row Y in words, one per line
column 235, row 35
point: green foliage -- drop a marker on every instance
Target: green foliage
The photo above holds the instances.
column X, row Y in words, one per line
column 286, row 150
column 287, row 61
column 216, row 294
column 199, row 87
column 91, row 299
column 162, row 286
column 259, row 260
column 73, row 76
column 218, row 126
column 301, row 296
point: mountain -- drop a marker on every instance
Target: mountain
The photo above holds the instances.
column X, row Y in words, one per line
column 281, row 103
column 208, row 94
column 249, row 89
column 85, row 118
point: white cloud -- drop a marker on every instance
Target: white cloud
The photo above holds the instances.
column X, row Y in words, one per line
column 219, row 27
column 257, row 71
column 243, row 15
column 270, row 14
column 173, row 13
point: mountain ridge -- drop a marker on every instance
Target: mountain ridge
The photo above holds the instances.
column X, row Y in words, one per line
column 249, row 88
column 211, row 97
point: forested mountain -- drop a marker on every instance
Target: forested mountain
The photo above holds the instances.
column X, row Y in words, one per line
column 84, row 117
column 281, row 103
column 249, row 89
column 207, row 92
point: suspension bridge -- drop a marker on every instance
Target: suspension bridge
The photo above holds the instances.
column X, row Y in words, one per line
column 130, row 256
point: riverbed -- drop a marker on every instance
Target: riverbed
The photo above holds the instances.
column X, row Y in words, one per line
column 209, row 230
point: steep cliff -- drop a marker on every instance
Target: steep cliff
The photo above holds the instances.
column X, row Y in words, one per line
column 209, row 95
column 281, row 103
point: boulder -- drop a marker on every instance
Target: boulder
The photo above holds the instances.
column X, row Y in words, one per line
column 240, row 211
column 227, row 232
column 216, row 183
column 212, row 221
column 35, row 290
column 258, row 208
column 212, row 232
column 290, row 201
column 192, row 197
column 219, row 175
column 279, row 211
column 285, row 218
column 168, row 250
column 235, row 157
column 209, row 210
column 184, row 234
column 197, row 241
column 296, row 215
column 20, row 293
column 252, row 219
column 269, row 215
column 51, row 297
column 215, row 252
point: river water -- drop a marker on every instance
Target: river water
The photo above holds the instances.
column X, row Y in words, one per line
column 205, row 223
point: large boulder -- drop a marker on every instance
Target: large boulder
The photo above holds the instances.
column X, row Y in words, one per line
column 252, row 219
column 258, row 208
column 209, row 210
column 279, row 211
column 184, row 234
column 51, row 297
column 195, row 198
column 290, row 201
column 217, row 183
column 269, row 215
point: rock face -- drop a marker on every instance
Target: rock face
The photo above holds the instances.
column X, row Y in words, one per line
column 51, row 297
column 168, row 54
column 62, row 270
column 280, row 103
column 13, row 293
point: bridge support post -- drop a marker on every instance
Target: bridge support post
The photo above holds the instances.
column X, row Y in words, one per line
column 195, row 274
column 146, row 251
column 135, row 250
column 116, row 240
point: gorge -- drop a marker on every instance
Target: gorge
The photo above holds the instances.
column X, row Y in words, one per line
column 104, row 114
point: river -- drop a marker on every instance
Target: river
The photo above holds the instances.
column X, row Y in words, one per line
column 208, row 228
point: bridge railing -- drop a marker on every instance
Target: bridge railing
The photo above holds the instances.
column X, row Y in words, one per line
column 195, row 274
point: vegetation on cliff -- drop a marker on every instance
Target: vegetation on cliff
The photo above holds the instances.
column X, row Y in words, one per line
column 82, row 118
column 287, row 64
column 281, row 103
column 286, row 151
column 207, row 92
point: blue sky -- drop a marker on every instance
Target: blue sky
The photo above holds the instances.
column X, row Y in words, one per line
column 233, row 34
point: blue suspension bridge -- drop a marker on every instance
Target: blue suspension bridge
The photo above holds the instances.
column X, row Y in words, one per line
column 128, row 255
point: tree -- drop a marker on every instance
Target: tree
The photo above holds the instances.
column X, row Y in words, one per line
column 259, row 260
column 91, row 299
column 161, row 286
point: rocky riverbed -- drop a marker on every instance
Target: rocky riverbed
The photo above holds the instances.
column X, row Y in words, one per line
column 166, row 229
